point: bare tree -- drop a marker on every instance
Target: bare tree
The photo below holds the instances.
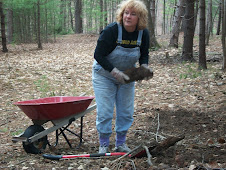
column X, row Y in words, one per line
column 189, row 29
column 164, row 17
column 219, row 19
column 196, row 12
column 151, row 27
column 105, row 16
column 101, row 15
column 202, row 46
column 78, row 16
column 39, row 26
column 209, row 24
column 9, row 25
column 4, row 46
column 63, row 15
column 70, row 14
column 153, row 12
column 177, row 23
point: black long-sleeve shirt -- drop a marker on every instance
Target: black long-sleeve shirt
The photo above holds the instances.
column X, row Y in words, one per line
column 108, row 41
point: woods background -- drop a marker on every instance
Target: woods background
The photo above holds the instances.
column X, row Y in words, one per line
column 29, row 21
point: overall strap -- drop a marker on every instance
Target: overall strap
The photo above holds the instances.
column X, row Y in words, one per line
column 139, row 39
column 119, row 40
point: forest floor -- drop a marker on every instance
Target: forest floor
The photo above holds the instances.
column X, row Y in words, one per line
column 178, row 100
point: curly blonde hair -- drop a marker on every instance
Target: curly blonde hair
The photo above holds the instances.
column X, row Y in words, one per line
column 139, row 8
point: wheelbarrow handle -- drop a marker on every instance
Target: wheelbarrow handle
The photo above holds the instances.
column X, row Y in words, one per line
column 58, row 157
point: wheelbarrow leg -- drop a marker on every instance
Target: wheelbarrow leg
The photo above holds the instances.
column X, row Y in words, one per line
column 62, row 129
column 57, row 139
column 66, row 128
column 81, row 133
column 65, row 137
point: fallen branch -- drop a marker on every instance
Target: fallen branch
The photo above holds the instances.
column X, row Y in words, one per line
column 154, row 149
column 156, row 137
column 148, row 155
column 166, row 144
column 157, row 148
column 152, row 133
column 126, row 154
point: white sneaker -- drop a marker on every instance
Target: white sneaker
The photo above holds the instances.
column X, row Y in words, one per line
column 122, row 148
column 103, row 149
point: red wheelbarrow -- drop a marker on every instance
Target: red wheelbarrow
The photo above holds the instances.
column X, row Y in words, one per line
column 61, row 111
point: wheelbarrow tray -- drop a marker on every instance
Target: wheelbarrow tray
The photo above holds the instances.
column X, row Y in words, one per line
column 52, row 108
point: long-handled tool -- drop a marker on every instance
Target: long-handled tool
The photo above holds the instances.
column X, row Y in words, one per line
column 58, row 157
column 138, row 152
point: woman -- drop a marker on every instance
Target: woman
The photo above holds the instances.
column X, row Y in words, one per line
column 120, row 45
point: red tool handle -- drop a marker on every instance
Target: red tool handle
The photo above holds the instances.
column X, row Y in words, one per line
column 58, row 157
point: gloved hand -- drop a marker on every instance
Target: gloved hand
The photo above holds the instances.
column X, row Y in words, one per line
column 119, row 76
column 149, row 69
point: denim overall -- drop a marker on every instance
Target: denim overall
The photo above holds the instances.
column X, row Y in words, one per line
column 109, row 92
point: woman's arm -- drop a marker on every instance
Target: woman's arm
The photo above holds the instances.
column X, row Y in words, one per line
column 144, row 49
column 105, row 45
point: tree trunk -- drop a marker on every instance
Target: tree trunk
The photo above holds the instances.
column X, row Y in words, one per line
column 29, row 21
column 46, row 24
column 101, row 16
column 54, row 27
column 4, row 46
column 71, row 16
column 164, row 18
column 202, row 46
column 153, row 42
column 177, row 23
column 196, row 13
column 78, row 16
column 219, row 19
column 35, row 24
column 65, row 17
column 18, row 29
column 187, row 54
column 105, row 15
column 153, row 16
column 224, row 33
column 10, row 26
column 209, row 22
column 39, row 26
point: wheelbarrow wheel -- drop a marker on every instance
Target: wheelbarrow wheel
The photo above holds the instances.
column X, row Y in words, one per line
column 37, row 146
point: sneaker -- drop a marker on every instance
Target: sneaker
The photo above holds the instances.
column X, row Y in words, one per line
column 122, row 148
column 103, row 149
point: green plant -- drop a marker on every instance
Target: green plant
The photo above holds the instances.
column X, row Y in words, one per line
column 4, row 130
column 154, row 48
column 18, row 132
column 43, row 86
column 190, row 71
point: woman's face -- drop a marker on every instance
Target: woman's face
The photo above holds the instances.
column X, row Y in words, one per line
column 130, row 19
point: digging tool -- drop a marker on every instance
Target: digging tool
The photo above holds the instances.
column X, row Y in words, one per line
column 94, row 155
column 139, row 152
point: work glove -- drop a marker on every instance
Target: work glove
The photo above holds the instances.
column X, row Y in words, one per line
column 148, row 69
column 119, row 76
